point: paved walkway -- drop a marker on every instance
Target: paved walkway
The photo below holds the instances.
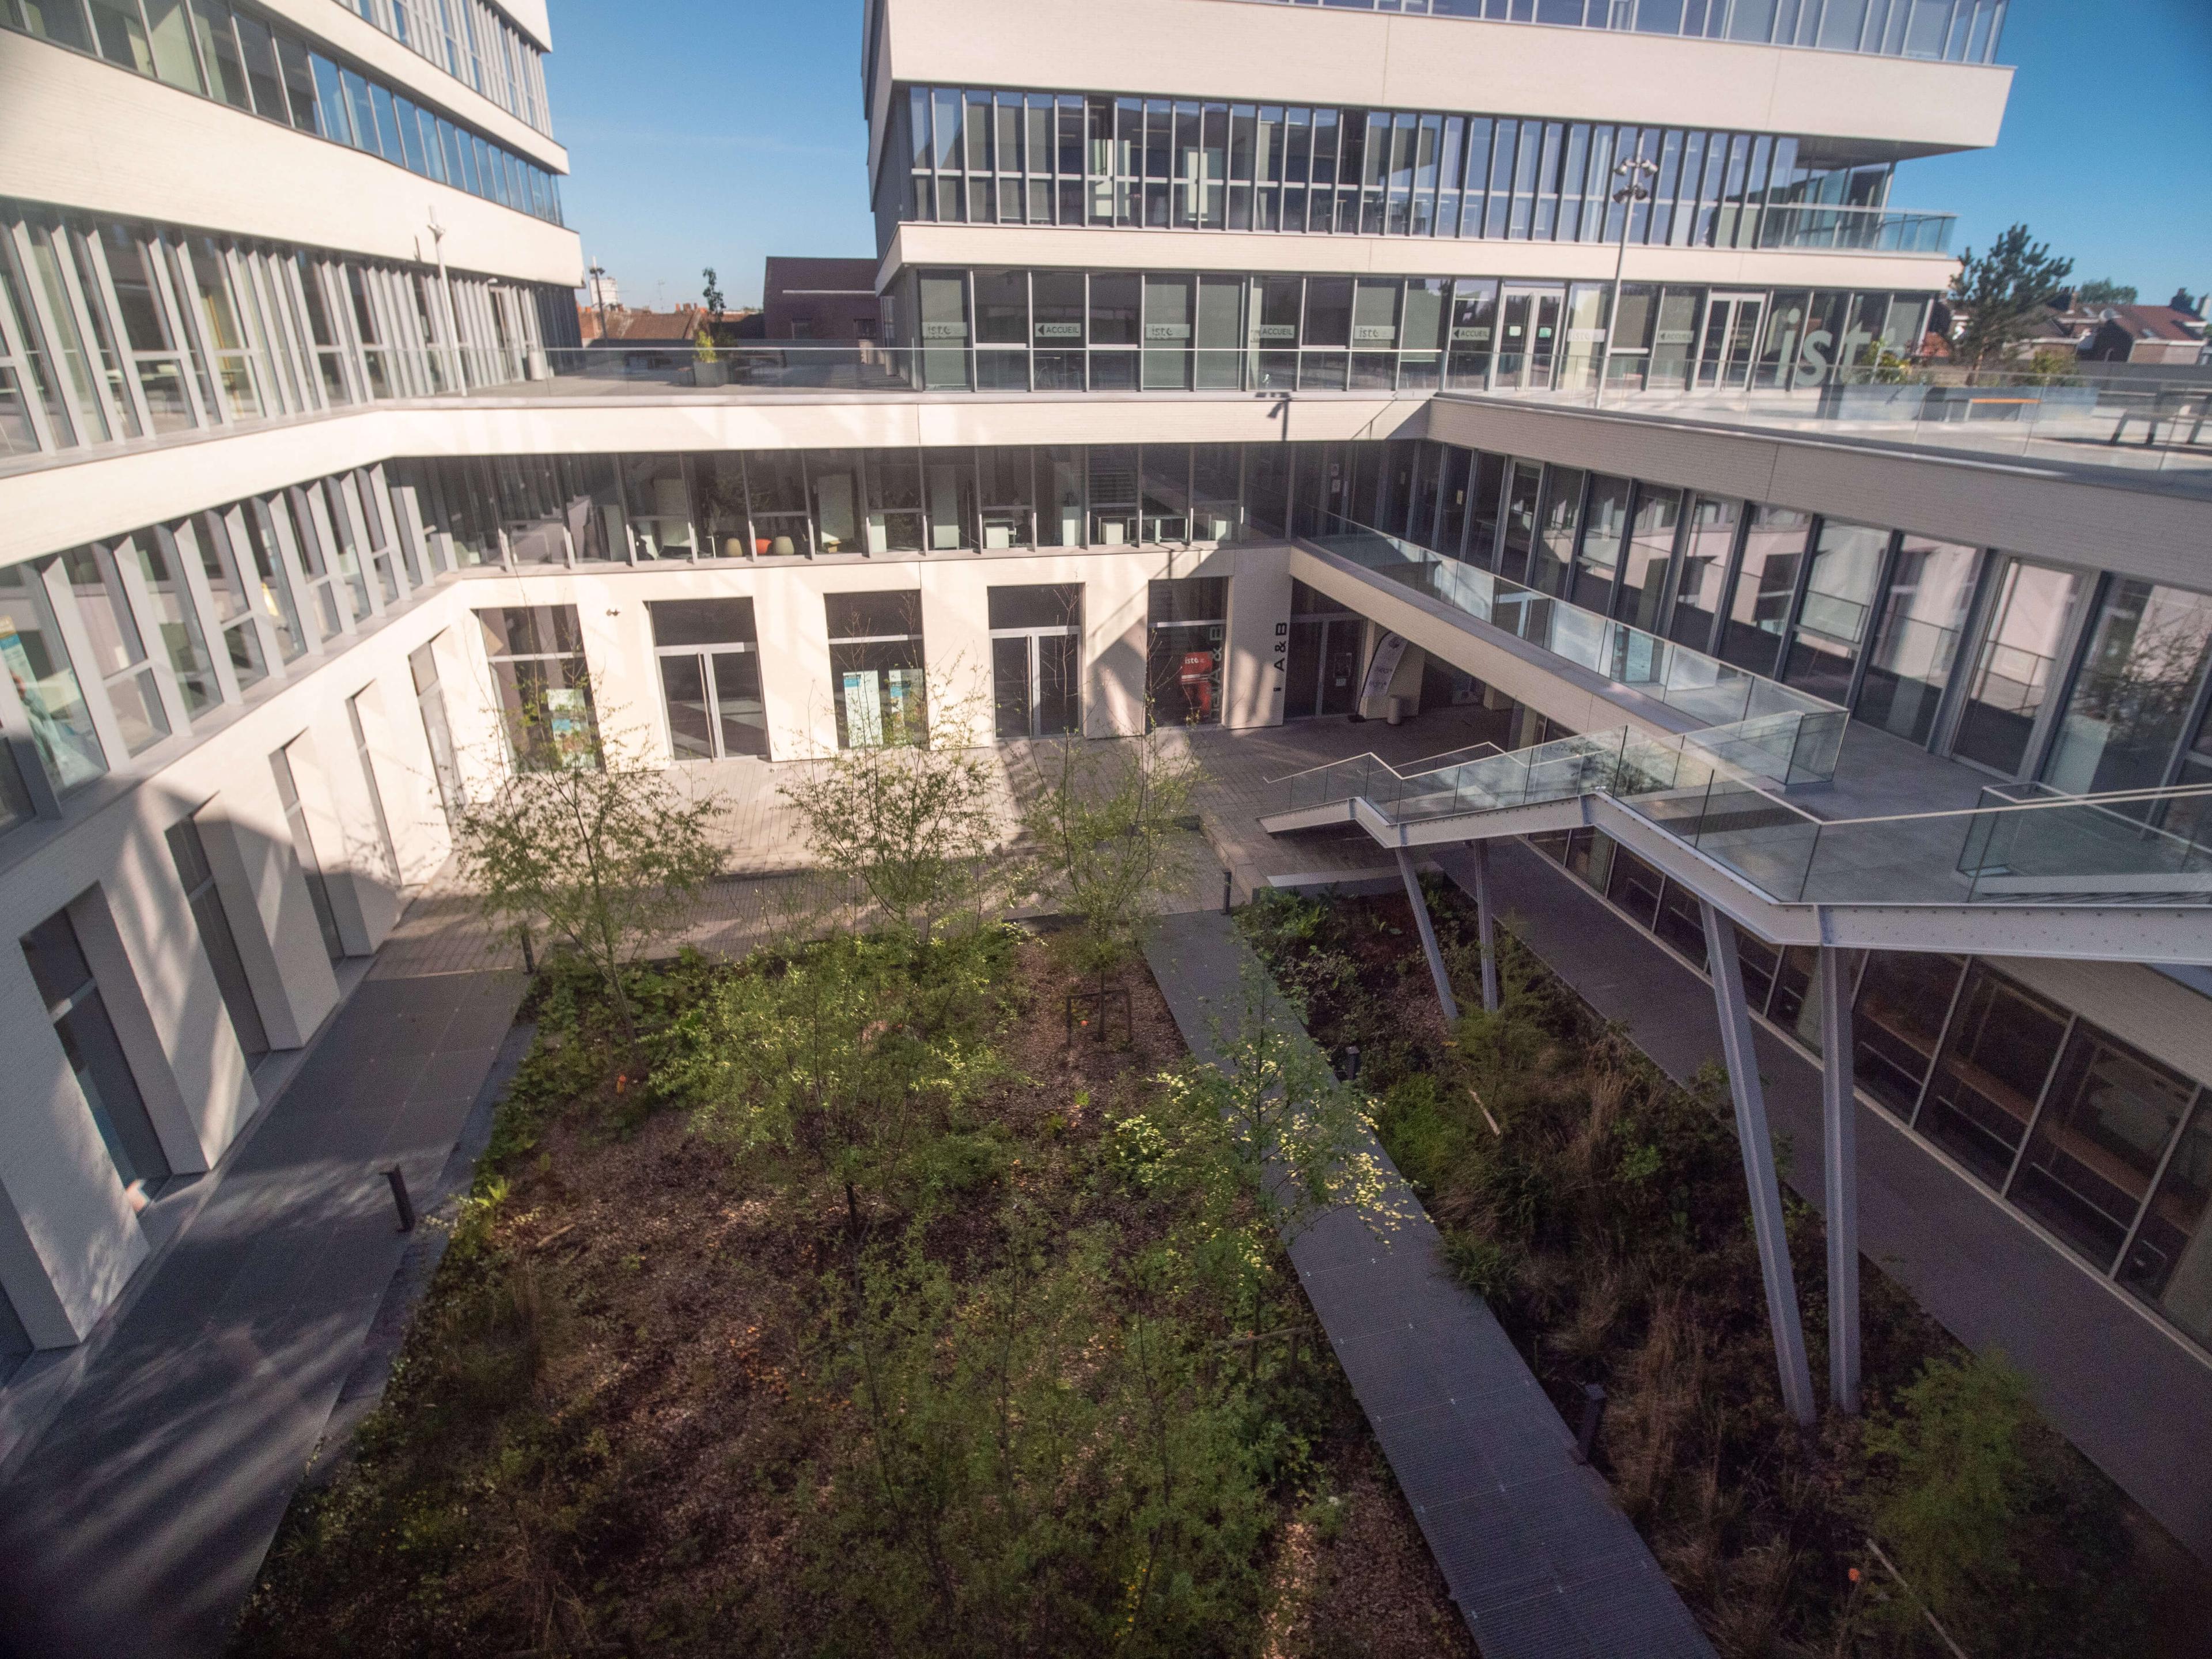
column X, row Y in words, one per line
column 136, row 1522
column 1971, row 1263
column 1541, row 1563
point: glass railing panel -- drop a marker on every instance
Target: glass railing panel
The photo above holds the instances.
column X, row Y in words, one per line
column 2059, row 849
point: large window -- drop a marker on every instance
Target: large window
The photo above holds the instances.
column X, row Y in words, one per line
column 985, row 158
column 1036, row 651
column 1189, row 626
column 189, row 851
column 48, row 699
column 235, row 57
column 1841, row 584
column 2142, row 665
column 64, row 978
column 2017, row 665
column 710, row 678
column 877, row 670
column 537, row 657
column 2003, row 1041
column 1915, row 648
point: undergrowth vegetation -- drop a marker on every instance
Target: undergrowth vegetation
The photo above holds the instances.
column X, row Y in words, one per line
column 1601, row 1211
column 849, row 1307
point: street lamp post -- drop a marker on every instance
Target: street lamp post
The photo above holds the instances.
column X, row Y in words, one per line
column 1637, row 174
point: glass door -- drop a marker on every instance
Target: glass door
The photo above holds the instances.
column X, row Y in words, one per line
column 2015, row 666
column 1529, row 338
column 1035, row 688
column 1730, row 342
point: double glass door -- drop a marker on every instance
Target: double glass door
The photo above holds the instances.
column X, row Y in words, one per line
column 1529, row 338
column 1322, row 673
column 1036, row 691
column 1731, row 345
column 715, row 710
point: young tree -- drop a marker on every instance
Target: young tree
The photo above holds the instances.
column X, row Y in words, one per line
column 2001, row 292
column 580, row 834
column 917, row 820
column 2104, row 292
column 713, row 297
column 1104, row 830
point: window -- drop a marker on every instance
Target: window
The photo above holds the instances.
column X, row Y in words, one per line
column 363, row 752
column 2014, row 667
column 537, row 658
column 710, row 678
column 87, row 1035
column 1759, row 611
column 1916, row 647
column 2132, row 697
column 2170, row 1260
column 303, row 848
column 1903, row 1002
column 189, row 851
column 2000, row 1049
column 2098, row 1143
column 1036, row 640
column 430, row 703
column 118, row 650
column 876, row 668
column 1841, row 586
column 1189, row 625
column 45, row 684
column 174, row 617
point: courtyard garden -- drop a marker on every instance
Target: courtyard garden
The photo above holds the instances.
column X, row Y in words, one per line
column 1600, row 1211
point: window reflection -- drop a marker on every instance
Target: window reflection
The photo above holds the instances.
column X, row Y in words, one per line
column 2098, row 1143
column 2014, row 671
column 1922, row 623
column 2171, row 1260
column 2134, row 690
column 2000, row 1049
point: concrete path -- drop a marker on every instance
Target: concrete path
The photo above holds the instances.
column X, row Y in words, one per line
column 1540, row 1562
column 136, row 1522
column 1970, row 1262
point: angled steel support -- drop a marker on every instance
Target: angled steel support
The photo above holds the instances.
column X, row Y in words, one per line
column 1839, row 1149
column 1484, row 927
column 1751, row 1131
column 1428, row 936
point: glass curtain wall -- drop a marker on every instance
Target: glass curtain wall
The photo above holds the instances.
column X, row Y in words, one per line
column 238, row 56
column 111, row 332
column 993, row 329
column 1156, row 164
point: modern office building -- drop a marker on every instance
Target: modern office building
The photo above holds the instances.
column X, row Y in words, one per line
column 1236, row 363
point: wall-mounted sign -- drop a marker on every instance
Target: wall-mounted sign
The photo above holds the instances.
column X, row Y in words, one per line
column 1479, row 334
column 1274, row 331
column 1585, row 334
column 1376, row 333
column 945, row 331
column 1543, row 333
column 1059, row 330
column 1167, row 331
column 1676, row 336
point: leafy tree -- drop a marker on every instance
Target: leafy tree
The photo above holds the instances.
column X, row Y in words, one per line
column 2002, row 291
column 2104, row 292
column 917, row 820
column 1104, row 828
column 715, row 299
column 580, row 834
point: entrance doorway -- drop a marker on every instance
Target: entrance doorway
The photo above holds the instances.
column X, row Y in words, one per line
column 1731, row 345
column 1529, row 338
column 1321, row 672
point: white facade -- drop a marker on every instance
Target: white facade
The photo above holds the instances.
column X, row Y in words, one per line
column 267, row 419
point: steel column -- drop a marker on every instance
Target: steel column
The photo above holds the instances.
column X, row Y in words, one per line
column 1751, row 1131
column 1839, row 1155
column 1428, row 936
column 1484, row 927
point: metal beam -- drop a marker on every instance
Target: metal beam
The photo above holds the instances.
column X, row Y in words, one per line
column 1839, row 1155
column 1485, row 927
column 1758, row 1170
column 1428, row 936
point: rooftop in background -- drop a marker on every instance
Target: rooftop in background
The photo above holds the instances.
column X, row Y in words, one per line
column 1954, row 31
column 625, row 326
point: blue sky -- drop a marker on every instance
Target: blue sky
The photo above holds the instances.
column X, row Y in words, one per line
column 719, row 131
